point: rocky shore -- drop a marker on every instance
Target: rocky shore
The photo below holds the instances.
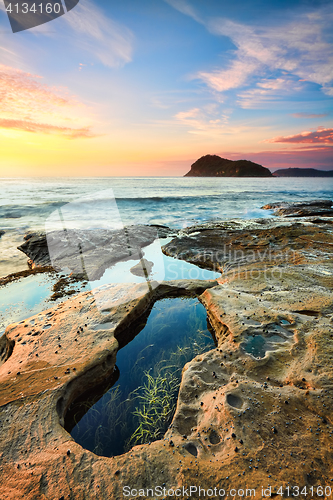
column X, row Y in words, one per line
column 253, row 413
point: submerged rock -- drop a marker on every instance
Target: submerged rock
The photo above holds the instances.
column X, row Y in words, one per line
column 142, row 268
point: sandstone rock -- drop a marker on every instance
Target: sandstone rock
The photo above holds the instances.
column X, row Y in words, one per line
column 245, row 419
column 230, row 247
column 43, row 369
column 264, row 420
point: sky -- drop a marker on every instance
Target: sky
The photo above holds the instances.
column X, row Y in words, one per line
column 146, row 87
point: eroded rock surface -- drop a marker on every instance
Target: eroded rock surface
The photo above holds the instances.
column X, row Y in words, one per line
column 254, row 412
column 252, row 246
column 46, row 362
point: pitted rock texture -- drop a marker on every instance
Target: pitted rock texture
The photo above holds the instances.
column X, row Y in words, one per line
column 253, row 247
column 244, row 419
column 47, row 361
column 263, row 418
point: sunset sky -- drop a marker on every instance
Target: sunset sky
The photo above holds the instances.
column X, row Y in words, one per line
column 145, row 87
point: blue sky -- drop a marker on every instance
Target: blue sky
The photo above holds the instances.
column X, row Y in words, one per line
column 146, row 87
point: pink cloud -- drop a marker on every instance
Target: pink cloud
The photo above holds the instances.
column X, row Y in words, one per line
column 29, row 105
column 321, row 136
column 20, row 90
column 235, row 76
column 309, row 115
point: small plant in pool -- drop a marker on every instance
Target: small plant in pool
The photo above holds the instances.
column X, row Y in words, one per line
column 140, row 406
column 156, row 405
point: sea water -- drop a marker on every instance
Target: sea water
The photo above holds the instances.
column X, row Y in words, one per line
column 174, row 201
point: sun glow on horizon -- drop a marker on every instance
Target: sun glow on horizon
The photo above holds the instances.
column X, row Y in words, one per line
column 137, row 95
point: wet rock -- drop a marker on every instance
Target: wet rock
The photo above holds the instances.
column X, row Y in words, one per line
column 302, row 209
column 250, row 247
column 89, row 252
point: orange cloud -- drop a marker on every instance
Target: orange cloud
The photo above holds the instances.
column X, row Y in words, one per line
column 29, row 105
column 28, row 126
column 321, row 136
column 22, row 91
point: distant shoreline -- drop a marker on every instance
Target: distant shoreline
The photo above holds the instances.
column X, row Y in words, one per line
column 302, row 172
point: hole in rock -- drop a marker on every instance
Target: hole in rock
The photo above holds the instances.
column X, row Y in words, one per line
column 140, row 405
column 6, row 349
column 234, row 401
column 285, row 322
column 191, row 448
column 87, row 399
column 307, row 312
column 214, row 438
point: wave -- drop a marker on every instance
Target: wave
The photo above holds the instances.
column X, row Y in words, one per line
column 19, row 211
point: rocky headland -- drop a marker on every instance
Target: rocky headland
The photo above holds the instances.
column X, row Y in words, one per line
column 253, row 413
column 215, row 166
column 302, row 172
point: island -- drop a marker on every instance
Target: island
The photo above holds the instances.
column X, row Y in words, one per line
column 215, row 166
column 302, row 172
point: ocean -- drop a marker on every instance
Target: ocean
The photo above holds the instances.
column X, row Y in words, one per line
column 28, row 203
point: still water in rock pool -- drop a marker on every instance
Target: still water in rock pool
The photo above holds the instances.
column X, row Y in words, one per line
column 140, row 405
